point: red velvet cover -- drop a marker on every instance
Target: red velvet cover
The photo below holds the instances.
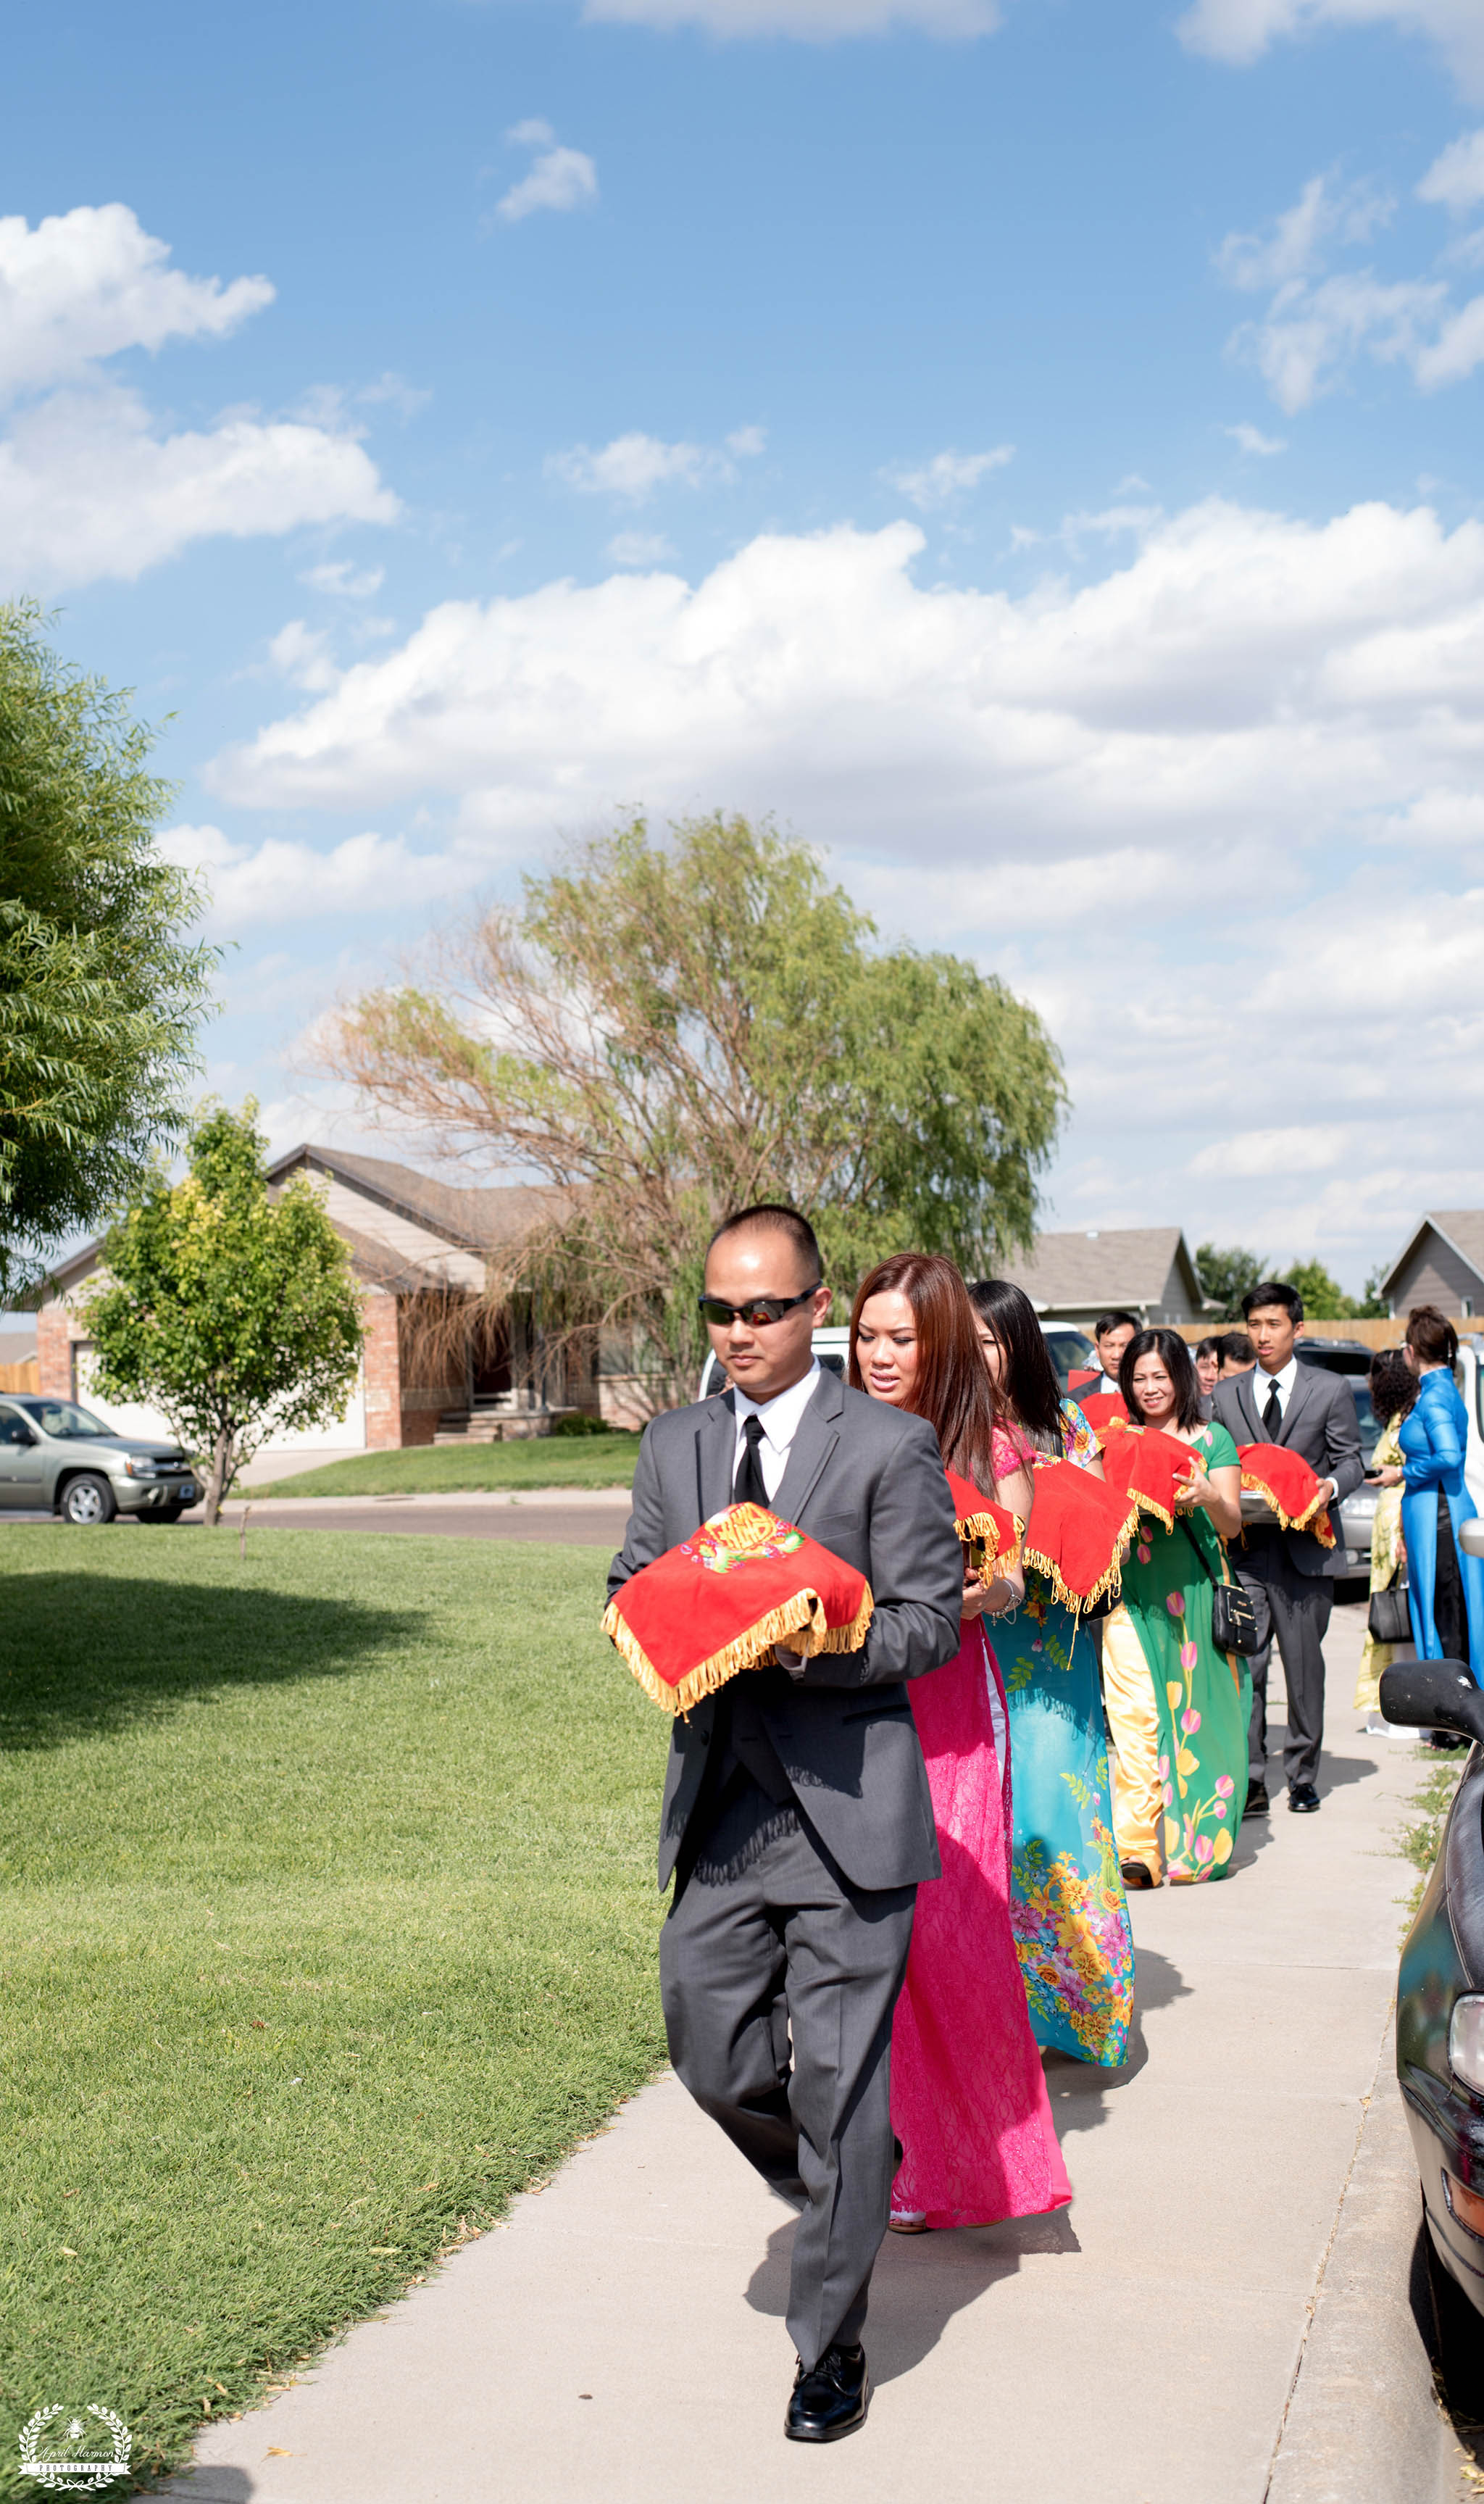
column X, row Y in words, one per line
column 719, row 1602
column 1150, row 1467
column 1078, row 1532
column 1291, row 1486
column 1106, row 1415
column 990, row 1535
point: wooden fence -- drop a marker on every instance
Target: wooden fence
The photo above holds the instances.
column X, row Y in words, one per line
column 20, row 1378
column 1386, row 1334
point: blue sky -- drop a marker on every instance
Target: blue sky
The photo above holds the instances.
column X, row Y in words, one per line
column 1035, row 456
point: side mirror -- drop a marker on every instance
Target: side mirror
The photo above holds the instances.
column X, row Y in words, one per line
column 1434, row 1695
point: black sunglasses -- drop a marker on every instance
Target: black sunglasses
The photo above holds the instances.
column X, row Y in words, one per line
column 762, row 1308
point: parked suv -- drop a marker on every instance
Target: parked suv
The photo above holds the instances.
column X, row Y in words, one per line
column 55, row 1457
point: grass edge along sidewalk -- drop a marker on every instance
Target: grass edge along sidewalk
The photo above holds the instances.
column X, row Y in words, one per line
column 496, row 1469
column 329, row 1924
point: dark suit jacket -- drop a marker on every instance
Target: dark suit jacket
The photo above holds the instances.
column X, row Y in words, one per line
column 1320, row 1421
column 867, row 1483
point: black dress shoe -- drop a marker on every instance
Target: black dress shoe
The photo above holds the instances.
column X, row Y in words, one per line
column 1257, row 1798
column 829, row 2399
column 1303, row 1799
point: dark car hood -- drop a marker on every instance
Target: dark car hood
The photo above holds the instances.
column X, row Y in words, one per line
column 1463, row 1868
column 144, row 1443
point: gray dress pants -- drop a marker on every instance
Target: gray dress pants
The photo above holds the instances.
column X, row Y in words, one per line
column 1295, row 1609
column 766, row 1939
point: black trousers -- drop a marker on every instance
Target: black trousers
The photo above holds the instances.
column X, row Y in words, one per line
column 1293, row 1609
column 779, row 1980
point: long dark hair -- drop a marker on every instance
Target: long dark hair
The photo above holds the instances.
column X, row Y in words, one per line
column 953, row 1389
column 1029, row 1387
column 1175, row 1357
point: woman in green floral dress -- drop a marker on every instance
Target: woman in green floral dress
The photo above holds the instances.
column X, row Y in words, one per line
column 1178, row 1708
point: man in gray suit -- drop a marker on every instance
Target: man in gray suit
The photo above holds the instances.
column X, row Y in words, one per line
column 1313, row 1412
column 797, row 1817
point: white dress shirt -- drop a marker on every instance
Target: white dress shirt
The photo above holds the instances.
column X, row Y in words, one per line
column 1282, row 1383
column 780, row 1418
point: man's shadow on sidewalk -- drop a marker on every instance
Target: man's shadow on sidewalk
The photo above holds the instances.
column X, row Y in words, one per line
column 922, row 2281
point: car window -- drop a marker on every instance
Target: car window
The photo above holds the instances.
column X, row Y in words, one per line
column 1365, row 1418
column 14, row 1428
column 65, row 1421
column 1070, row 1351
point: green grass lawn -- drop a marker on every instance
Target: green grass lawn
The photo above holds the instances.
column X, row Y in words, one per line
column 329, row 1921
column 534, row 1461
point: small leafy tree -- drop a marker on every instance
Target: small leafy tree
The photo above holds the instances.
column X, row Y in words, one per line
column 1324, row 1299
column 1227, row 1274
column 100, row 989
column 230, row 1312
column 670, row 1029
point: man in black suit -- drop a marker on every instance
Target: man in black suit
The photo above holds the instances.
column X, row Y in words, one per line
column 1285, row 1571
column 797, row 1817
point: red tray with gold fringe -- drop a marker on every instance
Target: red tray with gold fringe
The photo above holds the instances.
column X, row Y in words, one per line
column 992, row 1535
column 1150, row 1467
column 1291, row 1486
column 718, row 1603
column 1079, row 1533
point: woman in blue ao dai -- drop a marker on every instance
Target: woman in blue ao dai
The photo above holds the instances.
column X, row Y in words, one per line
column 1446, row 1588
column 1068, row 1909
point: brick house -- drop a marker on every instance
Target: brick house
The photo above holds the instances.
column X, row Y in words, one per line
column 418, row 1248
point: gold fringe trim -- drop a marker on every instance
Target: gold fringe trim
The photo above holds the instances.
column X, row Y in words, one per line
column 1318, row 1502
column 1111, row 1581
column 1150, row 1504
column 981, row 1529
column 801, row 1617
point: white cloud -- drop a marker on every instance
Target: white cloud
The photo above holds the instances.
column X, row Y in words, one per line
column 303, row 656
column 1240, row 680
column 1303, row 1148
column 1297, row 242
column 89, row 490
column 1240, row 31
column 946, row 476
column 633, row 466
column 1251, row 439
column 816, row 22
column 640, row 548
column 91, row 487
column 1081, row 785
column 344, row 581
column 1455, row 180
column 288, row 881
column 1316, row 326
column 563, row 178
column 82, row 286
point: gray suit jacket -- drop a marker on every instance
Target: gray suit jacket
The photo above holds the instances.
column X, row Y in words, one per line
column 867, row 1483
column 1320, row 1422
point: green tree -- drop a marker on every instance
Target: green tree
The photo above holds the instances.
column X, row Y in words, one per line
column 1373, row 1307
column 100, row 991
column 1226, row 1276
column 1324, row 1299
column 669, row 1030
column 230, row 1312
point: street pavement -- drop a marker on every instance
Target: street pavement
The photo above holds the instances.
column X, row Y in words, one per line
column 580, row 1517
column 1223, row 2314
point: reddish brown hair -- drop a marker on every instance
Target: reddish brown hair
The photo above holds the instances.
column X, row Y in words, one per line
column 953, row 1389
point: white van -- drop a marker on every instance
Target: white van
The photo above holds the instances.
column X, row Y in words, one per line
column 1068, row 1347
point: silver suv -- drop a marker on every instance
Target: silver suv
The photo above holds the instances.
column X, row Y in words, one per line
column 55, row 1457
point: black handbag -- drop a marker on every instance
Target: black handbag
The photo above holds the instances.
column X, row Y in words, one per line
column 1233, row 1618
column 1389, row 1619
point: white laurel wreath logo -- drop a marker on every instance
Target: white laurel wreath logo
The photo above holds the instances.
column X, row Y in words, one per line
column 74, row 2476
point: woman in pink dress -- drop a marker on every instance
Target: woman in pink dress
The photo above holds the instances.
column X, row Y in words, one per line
column 968, row 2098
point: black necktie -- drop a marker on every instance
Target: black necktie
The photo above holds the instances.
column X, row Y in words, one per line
column 750, row 1487
column 1272, row 1413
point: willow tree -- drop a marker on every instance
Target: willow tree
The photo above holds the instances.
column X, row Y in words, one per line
column 668, row 1029
column 101, row 987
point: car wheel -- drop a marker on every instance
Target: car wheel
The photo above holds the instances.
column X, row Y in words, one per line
column 1460, row 2335
column 167, row 1512
column 88, row 1500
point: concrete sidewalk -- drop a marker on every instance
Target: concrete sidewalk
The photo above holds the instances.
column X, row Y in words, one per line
column 1223, row 2316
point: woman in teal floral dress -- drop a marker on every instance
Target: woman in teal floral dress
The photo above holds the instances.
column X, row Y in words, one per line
column 1067, row 1906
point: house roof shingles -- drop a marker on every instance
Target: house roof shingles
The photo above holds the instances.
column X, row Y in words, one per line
column 1128, row 1265
column 1463, row 1228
